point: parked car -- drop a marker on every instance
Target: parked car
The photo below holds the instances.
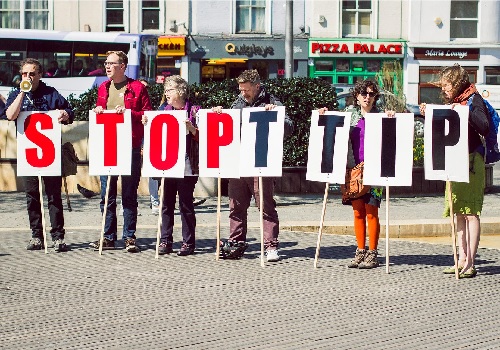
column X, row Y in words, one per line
column 345, row 100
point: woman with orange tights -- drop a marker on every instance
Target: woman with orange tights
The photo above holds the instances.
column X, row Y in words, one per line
column 365, row 208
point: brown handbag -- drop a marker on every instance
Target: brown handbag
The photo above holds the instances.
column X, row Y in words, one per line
column 353, row 187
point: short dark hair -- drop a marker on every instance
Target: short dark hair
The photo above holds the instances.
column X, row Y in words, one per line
column 31, row 61
column 122, row 56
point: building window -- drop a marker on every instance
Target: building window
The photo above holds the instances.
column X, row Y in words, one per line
column 356, row 18
column 492, row 75
column 115, row 15
column 25, row 14
column 150, row 15
column 463, row 19
column 250, row 16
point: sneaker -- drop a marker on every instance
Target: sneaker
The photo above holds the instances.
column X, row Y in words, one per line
column 370, row 260
column 199, row 202
column 185, row 250
column 272, row 255
column 60, row 246
column 86, row 192
column 35, row 244
column 164, row 248
column 359, row 256
column 106, row 245
column 155, row 210
column 232, row 249
column 130, row 245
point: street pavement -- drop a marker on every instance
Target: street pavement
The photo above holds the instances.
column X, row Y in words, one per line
column 80, row 300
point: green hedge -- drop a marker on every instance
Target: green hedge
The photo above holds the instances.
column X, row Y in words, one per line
column 299, row 95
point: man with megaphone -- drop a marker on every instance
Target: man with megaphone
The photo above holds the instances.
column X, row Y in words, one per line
column 34, row 95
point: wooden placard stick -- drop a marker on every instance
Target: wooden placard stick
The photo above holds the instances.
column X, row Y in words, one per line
column 106, row 198
column 321, row 222
column 261, row 206
column 453, row 234
column 387, row 229
column 160, row 217
column 44, row 233
column 219, row 195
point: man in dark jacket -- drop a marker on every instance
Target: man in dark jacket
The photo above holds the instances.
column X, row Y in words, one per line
column 252, row 94
column 120, row 93
column 41, row 98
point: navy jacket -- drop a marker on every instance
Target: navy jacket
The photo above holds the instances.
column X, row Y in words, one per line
column 44, row 98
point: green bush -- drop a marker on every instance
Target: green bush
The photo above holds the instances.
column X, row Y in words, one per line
column 299, row 95
column 418, row 151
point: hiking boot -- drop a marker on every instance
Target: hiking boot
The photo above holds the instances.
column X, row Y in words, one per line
column 232, row 249
column 106, row 244
column 60, row 246
column 35, row 244
column 370, row 260
column 272, row 255
column 164, row 248
column 185, row 250
column 130, row 246
column 358, row 258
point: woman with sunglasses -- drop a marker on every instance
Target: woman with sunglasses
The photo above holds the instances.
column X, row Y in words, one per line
column 467, row 196
column 175, row 98
column 365, row 208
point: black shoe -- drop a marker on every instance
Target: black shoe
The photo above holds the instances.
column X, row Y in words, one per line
column 199, row 202
column 60, row 246
column 85, row 192
column 232, row 249
column 185, row 250
column 35, row 244
column 106, row 245
column 130, row 246
column 165, row 248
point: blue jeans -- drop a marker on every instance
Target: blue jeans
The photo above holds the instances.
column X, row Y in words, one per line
column 130, row 184
column 153, row 185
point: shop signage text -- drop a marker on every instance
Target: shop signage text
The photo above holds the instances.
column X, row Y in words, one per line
column 249, row 50
column 424, row 53
column 356, row 48
column 171, row 46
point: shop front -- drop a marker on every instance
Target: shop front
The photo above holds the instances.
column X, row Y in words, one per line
column 346, row 61
column 171, row 59
column 218, row 59
column 425, row 63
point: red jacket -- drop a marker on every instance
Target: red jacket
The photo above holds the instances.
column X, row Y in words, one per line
column 136, row 99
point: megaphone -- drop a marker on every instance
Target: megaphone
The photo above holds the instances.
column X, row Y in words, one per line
column 25, row 85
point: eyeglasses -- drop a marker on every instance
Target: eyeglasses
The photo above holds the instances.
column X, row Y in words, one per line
column 369, row 94
column 110, row 63
column 31, row 74
column 170, row 90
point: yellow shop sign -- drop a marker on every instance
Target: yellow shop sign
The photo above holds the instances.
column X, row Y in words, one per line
column 171, row 46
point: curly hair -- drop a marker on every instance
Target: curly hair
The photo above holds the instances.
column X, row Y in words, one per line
column 249, row 76
column 361, row 87
column 175, row 82
column 458, row 77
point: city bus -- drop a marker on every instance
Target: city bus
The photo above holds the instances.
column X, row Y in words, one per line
column 73, row 61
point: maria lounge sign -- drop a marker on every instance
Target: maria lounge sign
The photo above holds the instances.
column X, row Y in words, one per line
column 461, row 54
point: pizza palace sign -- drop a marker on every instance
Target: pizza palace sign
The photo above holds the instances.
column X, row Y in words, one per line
column 332, row 48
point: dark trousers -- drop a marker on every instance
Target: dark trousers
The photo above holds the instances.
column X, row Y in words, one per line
column 185, row 188
column 240, row 195
column 130, row 184
column 54, row 202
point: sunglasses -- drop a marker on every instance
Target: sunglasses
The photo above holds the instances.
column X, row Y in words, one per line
column 369, row 94
column 31, row 74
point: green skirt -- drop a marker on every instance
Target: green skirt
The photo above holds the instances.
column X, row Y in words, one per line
column 468, row 197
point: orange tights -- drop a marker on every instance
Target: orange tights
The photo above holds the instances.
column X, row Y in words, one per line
column 362, row 213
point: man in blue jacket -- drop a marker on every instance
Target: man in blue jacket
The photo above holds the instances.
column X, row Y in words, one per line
column 41, row 98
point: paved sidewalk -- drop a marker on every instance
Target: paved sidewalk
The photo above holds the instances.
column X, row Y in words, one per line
column 80, row 300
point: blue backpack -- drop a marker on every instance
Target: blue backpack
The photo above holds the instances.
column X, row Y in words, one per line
column 491, row 140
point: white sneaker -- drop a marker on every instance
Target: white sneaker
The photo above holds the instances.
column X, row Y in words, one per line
column 155, row 210
column 272, row 255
